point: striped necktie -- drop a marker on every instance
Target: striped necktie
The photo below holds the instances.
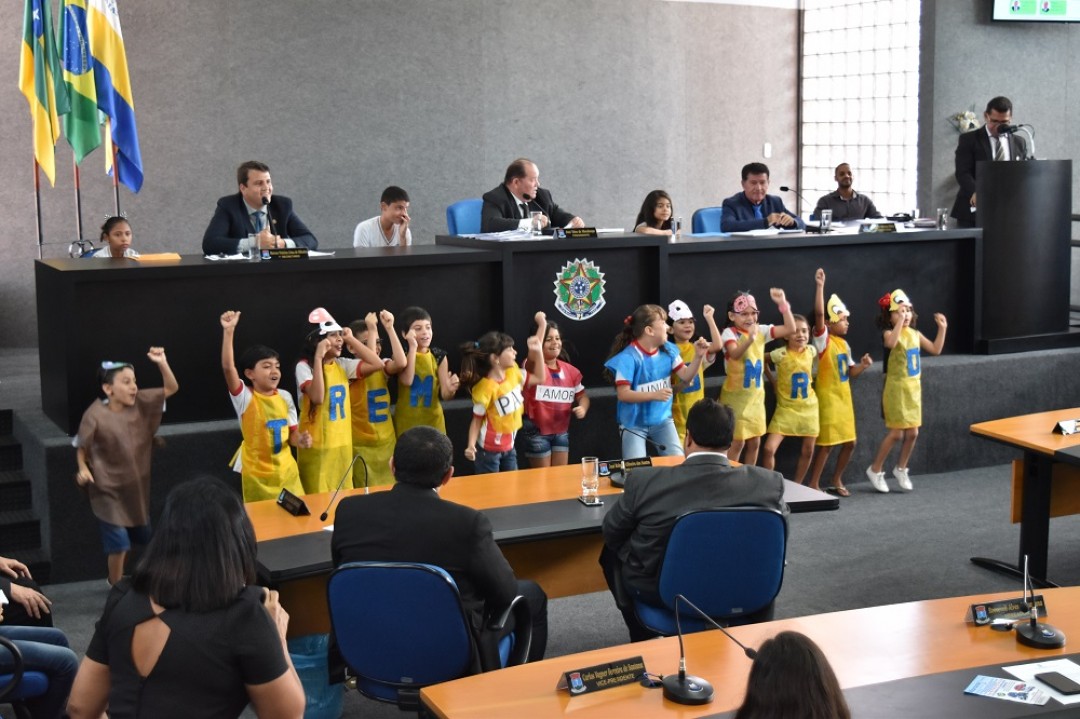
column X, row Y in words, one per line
column 999, row 150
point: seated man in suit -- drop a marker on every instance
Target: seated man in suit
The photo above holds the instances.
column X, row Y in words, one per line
column 754, row 208
column 410, row 523
column 637, row 527
column 845, row 203
column 984, row 143
column 509, row 205
column 255, row 210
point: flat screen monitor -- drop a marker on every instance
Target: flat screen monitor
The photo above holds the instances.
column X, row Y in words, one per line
column 1037, row 10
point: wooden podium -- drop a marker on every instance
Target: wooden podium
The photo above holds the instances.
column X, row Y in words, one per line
column 1024, row 210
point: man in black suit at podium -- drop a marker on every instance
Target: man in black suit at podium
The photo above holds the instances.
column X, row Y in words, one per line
column 255, row 210
column 984, row 143
column 509, row 205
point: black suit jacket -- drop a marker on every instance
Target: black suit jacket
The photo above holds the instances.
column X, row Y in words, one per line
column 972, row 147
column 413, row 524
column 638, row 525
column 501, row 213
column 232, row 223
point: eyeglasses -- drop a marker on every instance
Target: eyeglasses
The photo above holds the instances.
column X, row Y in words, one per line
column 108, row 365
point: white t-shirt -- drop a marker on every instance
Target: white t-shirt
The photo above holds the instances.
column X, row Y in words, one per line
column 369, row 234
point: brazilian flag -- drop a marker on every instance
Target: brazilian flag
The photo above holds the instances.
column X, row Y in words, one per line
column 82, row 125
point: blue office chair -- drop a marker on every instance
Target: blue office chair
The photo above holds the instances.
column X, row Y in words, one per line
column 463, row 218
column 727, row 561
column 400, row 627
column 706, row 220
column 20, row 685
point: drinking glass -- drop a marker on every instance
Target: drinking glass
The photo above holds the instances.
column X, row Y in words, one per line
column 534, row 222
column 590, row 477
column 826, row 220
column 943, row 218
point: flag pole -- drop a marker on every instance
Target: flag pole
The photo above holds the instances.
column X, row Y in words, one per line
column 78, row 197
column 37, row 208
column 115, row 169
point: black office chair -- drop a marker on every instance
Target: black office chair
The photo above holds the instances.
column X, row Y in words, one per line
column 400, row 627
column 19, row 685
column 728, row 561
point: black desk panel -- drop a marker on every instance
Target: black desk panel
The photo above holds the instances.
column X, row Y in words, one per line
column 91, row 310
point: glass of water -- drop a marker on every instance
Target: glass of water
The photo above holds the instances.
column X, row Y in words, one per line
column 590, row 477
column 826, row 220
column 534, row 222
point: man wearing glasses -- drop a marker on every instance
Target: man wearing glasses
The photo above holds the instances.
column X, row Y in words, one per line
column 985, row 143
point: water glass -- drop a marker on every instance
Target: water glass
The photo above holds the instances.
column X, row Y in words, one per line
column 252, row 248
column 943, row 218
column 826, row 220
column 535, row 222
column 590, row 477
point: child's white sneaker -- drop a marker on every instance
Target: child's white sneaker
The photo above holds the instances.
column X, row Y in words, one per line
column 901, row 475
column 878, row 480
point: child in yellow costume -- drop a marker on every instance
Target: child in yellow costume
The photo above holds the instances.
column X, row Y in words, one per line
column 796, row 412
column 836, row 369
column 322, row 378
column 372, row 426
column 744, row 349
column 267, row 419
column 902, row 397
column 683, row 328
column 426, row 379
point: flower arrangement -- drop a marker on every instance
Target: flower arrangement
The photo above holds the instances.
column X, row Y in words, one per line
column 965, row 120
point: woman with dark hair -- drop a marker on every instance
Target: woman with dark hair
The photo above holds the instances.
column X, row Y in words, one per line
column 188, row 634
column 792, row 679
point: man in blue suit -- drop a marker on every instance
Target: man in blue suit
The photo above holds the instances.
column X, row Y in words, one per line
column 255, row 210
column 754, row 208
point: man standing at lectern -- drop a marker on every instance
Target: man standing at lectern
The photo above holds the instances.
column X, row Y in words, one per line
column 255, row 210
column 984, row 143
column 509, row 205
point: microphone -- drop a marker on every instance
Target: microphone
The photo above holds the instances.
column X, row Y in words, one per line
column 785, row 188
column 683, row 688
column 1007, row 129
column 657, row 445
column 348, row 471
column 1034, row 633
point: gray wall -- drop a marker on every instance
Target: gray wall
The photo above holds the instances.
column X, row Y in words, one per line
column 968, row 59
column 612, row 98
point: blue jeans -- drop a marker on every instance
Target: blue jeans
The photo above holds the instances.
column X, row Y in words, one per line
column 664, row 434
column 44, row 649
column 487, row 462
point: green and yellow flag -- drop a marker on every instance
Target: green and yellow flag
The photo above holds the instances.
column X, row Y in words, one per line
column 82, row 125
column 39, row 80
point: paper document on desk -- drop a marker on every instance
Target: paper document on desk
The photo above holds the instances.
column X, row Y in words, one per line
column 767, row 232
column 1027, row 672
column 1008, row 689
column 504, row 236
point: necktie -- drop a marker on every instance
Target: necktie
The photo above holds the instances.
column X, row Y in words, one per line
column 757, row 212
column 524, row 210
column 999, row 151
column 259, row 220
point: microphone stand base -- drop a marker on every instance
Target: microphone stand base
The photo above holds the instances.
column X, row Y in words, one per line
column 687, row 689
column 1040, row 636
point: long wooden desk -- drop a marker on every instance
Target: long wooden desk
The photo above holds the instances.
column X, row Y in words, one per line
column 1044, row 483
column 865, row 646
column 544, row 532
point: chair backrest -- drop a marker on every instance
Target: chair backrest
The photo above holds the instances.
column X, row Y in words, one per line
column 707, row 219
column 728, row 561
column 463, row 218
column 399, row 625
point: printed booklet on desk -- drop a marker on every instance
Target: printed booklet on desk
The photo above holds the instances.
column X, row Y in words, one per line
column 1008, row 689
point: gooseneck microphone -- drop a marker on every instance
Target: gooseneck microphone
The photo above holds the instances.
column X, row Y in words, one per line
column 341, row 482
column 1034, row 633
column 785, row 188
column 683, row 688
column 659, row 447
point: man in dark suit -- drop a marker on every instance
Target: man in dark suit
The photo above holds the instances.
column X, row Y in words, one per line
column 410, row 523
column 984, row 143
column 509, row 205
column 637, row 527
column 255, row 210
column 754, row 208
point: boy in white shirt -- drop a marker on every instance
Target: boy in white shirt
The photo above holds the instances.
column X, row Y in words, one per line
column 391, row 227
